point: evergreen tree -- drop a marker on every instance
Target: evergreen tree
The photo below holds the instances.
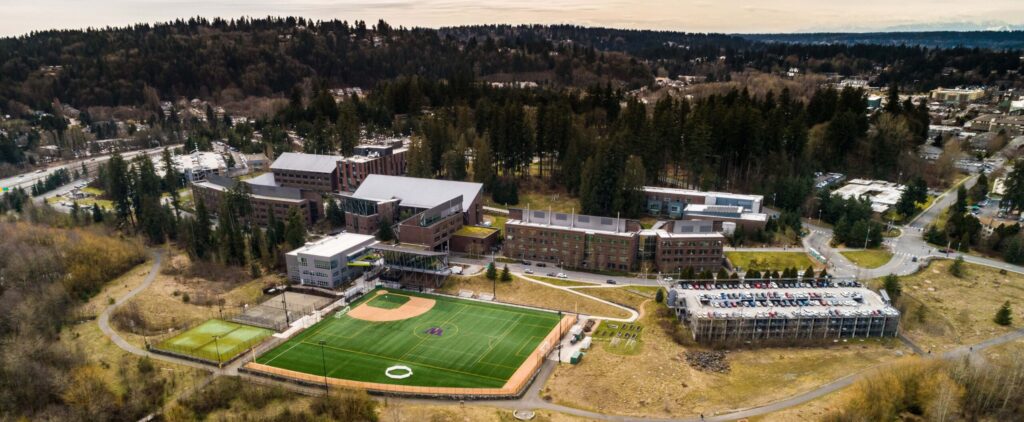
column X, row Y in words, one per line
column 632, row 199
column 957, row 268
column 659, row 297
column 892, row 286
column 295, row 230
column 118, row 186
column 492, row 273
column 1004, row 316
column 419, row 158
column 335, row 215
column 809, row 273
column 385, row 233
column 506, row 276
column 201, row 236
column 97, row 213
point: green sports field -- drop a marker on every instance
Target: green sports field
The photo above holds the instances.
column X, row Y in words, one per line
column 215, row 340
column 457, row 343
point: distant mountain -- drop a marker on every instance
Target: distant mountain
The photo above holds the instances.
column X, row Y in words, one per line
column 1001, row 37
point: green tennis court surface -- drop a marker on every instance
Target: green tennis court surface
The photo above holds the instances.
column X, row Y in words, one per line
column 215, row 340
column 388, row 301
column 458, row 343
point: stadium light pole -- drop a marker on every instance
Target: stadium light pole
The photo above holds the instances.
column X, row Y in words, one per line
column 216, row 344
column 323, row 361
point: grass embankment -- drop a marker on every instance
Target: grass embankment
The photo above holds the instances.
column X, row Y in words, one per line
column 941, row 311
column 870, row 258
column 184, row 294
column 523, row 292
column 761, row 261
column 657, row 381
column 558, row 281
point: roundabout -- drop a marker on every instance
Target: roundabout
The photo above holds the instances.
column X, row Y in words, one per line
column 398, row 372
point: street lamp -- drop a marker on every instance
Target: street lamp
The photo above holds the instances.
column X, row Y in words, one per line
column 323, row 361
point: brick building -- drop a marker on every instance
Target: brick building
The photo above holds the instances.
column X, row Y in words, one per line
column 386, row 159
column 423, row 211
column 264, row 198
column 572, row 240
column 307, row 171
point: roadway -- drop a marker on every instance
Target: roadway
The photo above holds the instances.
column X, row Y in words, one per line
column 26, row 180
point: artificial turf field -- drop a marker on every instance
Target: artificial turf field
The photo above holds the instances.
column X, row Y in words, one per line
column 199, row 342
column 480, row 344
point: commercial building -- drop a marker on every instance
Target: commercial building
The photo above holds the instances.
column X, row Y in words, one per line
column 385, row 157
column 782, row 310
column 423, row 211
column 957, row 95
column 330, row 262
column 307, row 171
column 572, row 240
column 265, row 198
column 883, row 195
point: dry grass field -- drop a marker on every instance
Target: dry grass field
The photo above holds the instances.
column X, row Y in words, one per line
column 658, row 382
column 941, row 312
column 522, row 292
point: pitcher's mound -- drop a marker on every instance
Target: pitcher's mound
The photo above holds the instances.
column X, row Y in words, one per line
column 413, row 306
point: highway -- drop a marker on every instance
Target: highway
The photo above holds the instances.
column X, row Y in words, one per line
column 26, row 180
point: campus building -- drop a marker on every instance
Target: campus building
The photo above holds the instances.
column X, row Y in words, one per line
column 195, row 166
column 330, row 262
column 782, row 310
column 681, row 244
column 572, row 240
column 265, row 198
column 957, row 95
column 727, row 211
column 425, row 212
column 386, row 158
column 312, row 172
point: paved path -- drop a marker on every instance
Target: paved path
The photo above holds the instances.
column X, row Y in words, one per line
column 633, row 315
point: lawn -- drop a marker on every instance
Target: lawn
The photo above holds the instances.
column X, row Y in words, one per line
column 869, row 258
column 215, row 340
column 621, row 338
column 558, row 281
column 523, row 292
column 941, row 311
column 541, row 199
column 761, row 261
column 478, row 345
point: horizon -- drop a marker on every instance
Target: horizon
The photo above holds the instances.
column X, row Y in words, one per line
column 701, row 16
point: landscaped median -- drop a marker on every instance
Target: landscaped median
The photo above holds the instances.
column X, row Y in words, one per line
column 868, row 258
column 776, row 261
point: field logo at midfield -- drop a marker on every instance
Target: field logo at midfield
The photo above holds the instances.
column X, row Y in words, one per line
column 435, row 331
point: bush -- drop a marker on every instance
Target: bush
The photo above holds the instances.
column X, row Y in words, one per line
column 129, row 318
column 346, row 405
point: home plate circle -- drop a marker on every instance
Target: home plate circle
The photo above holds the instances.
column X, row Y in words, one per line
column 398, row 372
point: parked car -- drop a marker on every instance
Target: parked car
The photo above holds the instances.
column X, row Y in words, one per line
column 528, row 271
column 610, row 281
column 525, row 262
column 551, row 274
column 541, row 264
column 668, row 279
column 562, row 275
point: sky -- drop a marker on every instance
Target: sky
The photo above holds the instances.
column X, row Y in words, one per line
column 728, row 16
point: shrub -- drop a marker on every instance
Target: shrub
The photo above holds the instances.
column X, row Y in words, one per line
column 1004, row 316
